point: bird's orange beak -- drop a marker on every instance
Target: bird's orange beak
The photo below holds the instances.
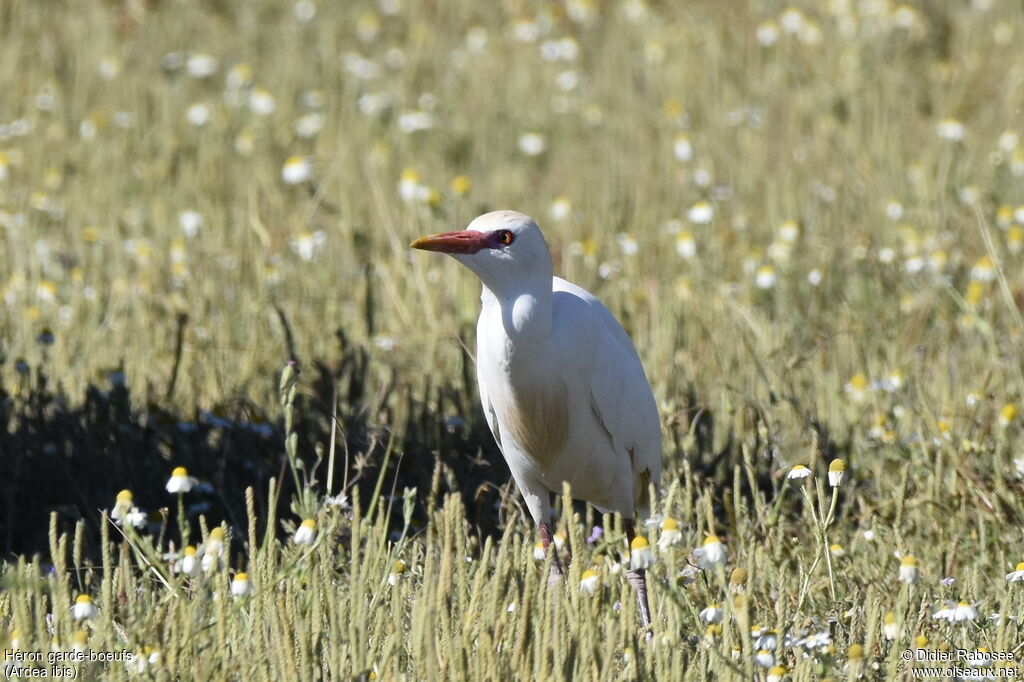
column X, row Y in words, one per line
column 463, row 241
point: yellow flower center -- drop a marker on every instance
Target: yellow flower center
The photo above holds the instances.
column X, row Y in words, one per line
column 461, row 184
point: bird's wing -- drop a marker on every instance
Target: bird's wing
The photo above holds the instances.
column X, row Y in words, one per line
column 488, row 407
column 620, row 394
column 485, row 401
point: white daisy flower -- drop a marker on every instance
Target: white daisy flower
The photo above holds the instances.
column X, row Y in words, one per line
column 711, row 553
column 180, row 482
column 890, row 628
column 590, row 581
column 767, row 639
column 956, row 612
column 307, row 244
column 767, row 33
column 397, row 571
column 682, row 148
column 789, row 231
column 950, row 129
column 561, row 208
column 240, row 585
column 409, row 187
column 198, row 114
column 701, row 213
column 296, row 170
column 306, row 532
column 309, row 125
column 712, row 613
column 191, row 222
column 83, row 609
column 188, row 564
column 127, row 514
column 213, row 550
column 764, row 658
column 340, row 500
column 686, row 245
column 765, row 277
column 670, row 535
column 201, row 65
column 641, row 555
column 798, row 472
column 415, row 121
column 984, row 270
column 262, row 102
column 627, row 244
column 791, row 20
column 836, row 472
column 532, row 144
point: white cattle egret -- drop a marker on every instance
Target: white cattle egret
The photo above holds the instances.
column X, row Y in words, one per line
column 561, row 384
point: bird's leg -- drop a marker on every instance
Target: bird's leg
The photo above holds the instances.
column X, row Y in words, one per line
column 545, row 540
column 638, row 579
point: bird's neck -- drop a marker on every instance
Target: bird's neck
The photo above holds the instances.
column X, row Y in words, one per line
column 525, row 311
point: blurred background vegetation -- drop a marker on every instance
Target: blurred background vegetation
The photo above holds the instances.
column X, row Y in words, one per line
column 809, row 216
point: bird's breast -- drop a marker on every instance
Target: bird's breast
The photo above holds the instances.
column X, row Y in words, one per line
column 530, row 401
column 537, row 418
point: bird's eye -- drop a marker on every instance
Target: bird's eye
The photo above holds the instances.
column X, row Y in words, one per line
column 505, row 237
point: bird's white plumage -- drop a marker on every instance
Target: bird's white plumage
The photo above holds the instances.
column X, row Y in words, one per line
column 562, row 386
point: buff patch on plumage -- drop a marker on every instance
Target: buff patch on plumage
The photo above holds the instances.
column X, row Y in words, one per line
column 538, row 421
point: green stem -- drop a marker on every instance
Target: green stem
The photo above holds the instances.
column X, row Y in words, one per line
column 182, row 522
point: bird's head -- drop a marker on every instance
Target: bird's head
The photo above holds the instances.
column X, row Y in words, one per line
column 505, row 249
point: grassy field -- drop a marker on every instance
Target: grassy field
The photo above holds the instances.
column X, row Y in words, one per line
column 809, row 217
